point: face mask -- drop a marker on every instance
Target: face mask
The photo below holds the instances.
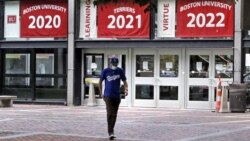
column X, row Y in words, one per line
column 113, row 67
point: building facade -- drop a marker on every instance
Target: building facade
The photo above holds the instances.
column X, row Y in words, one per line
column 172, row 51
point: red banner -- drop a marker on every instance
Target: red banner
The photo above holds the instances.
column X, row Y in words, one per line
column 44, row 18
column 205, row 18
column 124, row 19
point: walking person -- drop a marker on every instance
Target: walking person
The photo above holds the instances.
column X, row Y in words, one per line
column 112, row 77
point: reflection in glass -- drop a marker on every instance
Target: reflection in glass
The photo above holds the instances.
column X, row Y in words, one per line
column 61, row 83
column 169, row 65
column 44, row 63
column 17, row 64
column 17, row 81
column 51, row 93
column 44, row 81
column 144, row 92
column 56, row 90
column 61, row 59
column 168, row 92
column 224, row 66
column 98, row 61
column 246, row 75
column 94, row 64
column 88, row 64
column 144, row 65
column 199, row 66
column 246, row 71
column 198, row 93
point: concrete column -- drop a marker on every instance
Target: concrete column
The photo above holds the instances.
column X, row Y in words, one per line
column 237, row 41
column 130, row 79
column 71, row 56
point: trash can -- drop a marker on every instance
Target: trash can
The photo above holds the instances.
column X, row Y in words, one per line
column 237, row 97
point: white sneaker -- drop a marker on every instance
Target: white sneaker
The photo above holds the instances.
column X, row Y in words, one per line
column 112, row 136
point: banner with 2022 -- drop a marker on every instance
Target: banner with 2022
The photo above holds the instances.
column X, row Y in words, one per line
column 44, row 18
column 205, row 18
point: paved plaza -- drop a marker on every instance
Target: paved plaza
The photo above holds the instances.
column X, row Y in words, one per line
column 82, row 123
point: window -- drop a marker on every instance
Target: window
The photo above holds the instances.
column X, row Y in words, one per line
column 169, row 65
column 44, row 65
column 199, row 66
column 93, row 67
column 144, row 92
column 51, row 74
column 144, row 65
column 246, row 73
column 17, row 69
column 224, row 66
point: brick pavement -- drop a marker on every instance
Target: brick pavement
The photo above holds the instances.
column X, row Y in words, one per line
column 61, row 123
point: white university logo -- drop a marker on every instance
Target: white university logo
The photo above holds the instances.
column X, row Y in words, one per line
column 114, row 77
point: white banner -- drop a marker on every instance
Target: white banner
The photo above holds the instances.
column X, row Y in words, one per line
column 11, row 20
column 88, row 20
column 166, row 18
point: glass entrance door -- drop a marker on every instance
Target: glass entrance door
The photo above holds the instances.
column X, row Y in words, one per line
column 169, row 79
column 157, row 79
column 223, row 68
column 204, row 67
column 199, row 87
column 145, row 79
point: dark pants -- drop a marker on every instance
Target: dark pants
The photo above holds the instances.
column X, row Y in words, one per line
column 112, row 106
